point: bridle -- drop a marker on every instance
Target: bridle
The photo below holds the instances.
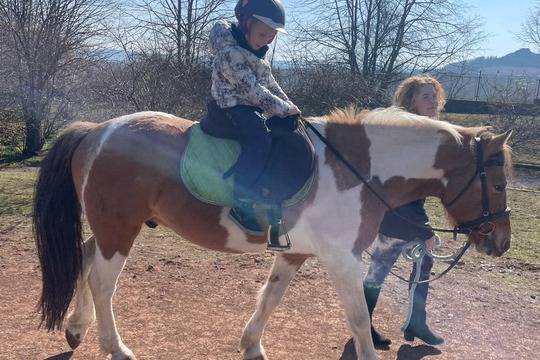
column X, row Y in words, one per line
column 483, row 224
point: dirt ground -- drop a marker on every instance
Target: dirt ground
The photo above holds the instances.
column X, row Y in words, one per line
column 177, row 301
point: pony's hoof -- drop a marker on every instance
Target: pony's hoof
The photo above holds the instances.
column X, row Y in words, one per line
column 122, row 353
column 124, row 357
column 258, row 354
column 73, row 340
column 260, row 357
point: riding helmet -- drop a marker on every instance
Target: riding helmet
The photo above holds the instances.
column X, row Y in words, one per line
column 270, row 12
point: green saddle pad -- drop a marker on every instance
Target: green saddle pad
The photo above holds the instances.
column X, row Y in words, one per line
column 205, row 161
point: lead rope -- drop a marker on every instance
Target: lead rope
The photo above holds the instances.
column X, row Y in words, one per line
column 412, row 290
column 415, row 252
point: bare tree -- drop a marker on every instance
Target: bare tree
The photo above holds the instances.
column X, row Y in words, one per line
column 530, row 30
column 175, row 26
column 45, row 45
column 164, row 65
column 380, row 38
column 511, row 111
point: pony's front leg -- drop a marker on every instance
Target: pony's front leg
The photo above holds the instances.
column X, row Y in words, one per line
column 283, row 271
column 83, row 314
column 346, row 272
column 102, row 280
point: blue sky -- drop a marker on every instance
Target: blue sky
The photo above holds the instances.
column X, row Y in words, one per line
column 501, row 18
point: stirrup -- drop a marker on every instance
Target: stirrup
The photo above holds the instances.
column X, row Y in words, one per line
column 273, row 234
column 276, row 224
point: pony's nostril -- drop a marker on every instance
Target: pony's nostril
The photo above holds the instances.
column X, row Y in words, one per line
column 505, row 245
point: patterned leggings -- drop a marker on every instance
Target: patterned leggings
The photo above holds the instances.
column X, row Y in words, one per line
column 384, row 253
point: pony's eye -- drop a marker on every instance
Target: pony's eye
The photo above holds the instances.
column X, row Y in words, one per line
column 499, row 188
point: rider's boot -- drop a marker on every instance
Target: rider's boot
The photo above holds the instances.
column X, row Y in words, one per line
column 372, row 295
column 417, row 325
column 243, row 215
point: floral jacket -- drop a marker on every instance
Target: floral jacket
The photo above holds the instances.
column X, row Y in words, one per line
column 241, row 76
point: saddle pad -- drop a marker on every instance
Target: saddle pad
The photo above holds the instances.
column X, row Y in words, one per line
column 204, row 162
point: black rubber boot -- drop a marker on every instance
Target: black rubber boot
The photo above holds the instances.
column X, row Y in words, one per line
column 372, row 295
column 243, row 216
column 417, row 326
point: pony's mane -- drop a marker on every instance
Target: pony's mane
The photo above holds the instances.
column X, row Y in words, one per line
column 394, row 116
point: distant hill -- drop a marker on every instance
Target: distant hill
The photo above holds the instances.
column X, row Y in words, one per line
column 521, row 62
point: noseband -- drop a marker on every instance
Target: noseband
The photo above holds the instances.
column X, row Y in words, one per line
column 483, row 224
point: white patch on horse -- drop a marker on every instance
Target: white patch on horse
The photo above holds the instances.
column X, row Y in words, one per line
column 102, row 280
column 237, row 239
column 383, row 143
column 111, row 127
column 107, row 269
column 345, row 219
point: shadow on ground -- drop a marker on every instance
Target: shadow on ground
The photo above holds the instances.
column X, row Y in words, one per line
column 63, row 356
column 405, row 352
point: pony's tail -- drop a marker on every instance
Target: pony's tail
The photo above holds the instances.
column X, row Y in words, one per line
column 57, row 227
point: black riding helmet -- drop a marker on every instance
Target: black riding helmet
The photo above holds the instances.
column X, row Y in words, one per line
column 270, row 12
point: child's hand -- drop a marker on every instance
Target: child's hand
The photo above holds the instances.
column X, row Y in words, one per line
column 293, row 110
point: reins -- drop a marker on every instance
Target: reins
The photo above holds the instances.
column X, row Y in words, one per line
column 464, row 228
column 420, row 250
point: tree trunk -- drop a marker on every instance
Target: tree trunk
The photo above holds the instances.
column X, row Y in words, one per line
column 34, row 142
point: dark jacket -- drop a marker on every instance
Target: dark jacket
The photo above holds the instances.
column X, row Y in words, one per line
column 393, row 226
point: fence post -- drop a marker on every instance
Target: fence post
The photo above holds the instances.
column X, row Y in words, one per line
column 478, row 85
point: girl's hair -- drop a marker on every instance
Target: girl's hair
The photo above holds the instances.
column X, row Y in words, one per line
column 243, row 23
column 406, row 91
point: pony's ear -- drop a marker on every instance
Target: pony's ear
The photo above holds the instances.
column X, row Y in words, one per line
column 497, row 142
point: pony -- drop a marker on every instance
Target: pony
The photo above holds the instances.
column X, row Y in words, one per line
column 124, row 172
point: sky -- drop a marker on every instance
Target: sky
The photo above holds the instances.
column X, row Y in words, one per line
column 501, row 18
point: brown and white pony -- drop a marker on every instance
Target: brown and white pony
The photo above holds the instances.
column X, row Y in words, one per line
column 124, row 172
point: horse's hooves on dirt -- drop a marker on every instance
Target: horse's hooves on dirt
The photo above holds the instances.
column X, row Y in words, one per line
column 124, row 357
column 73, row 340
column 257, row 358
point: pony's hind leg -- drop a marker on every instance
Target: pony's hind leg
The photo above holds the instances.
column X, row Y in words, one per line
column 283, row 271
column 83, row 314
column 102, row 280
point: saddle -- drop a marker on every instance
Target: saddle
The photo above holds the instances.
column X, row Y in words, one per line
column 213, row 148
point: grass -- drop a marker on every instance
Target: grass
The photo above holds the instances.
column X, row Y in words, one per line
column 16, row 191
column 525, row 222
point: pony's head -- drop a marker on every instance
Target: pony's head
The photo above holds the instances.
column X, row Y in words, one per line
column 469, row 174
column 475, row 194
